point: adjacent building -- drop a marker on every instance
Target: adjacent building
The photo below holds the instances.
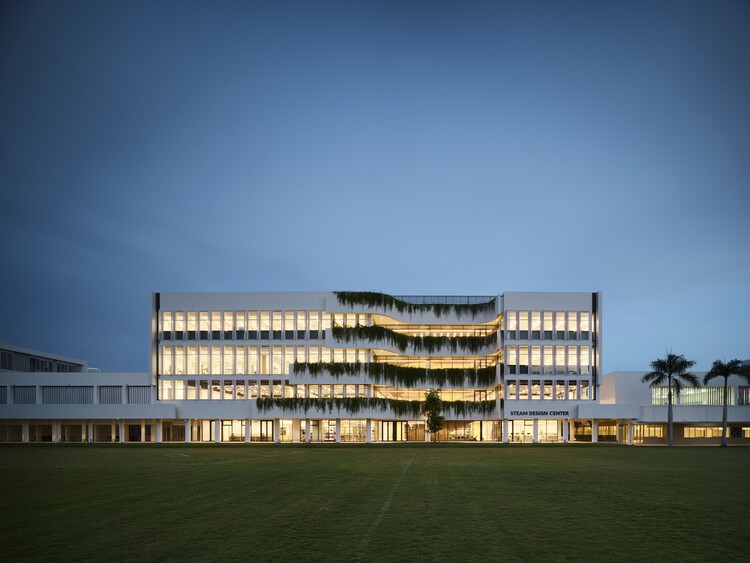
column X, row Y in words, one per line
column 314, row 367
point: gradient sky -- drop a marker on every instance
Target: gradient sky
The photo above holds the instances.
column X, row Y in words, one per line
column 405, row 147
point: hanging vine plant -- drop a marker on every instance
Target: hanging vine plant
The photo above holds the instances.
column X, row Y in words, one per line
column 399, row 408
column 426, row 344
column 402, row 376
column 376, row 300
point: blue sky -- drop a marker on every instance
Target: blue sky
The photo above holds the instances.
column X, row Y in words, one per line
column 404, row 147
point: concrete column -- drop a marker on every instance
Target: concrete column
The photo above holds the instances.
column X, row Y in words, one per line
column 143, row 430
column 594, row 431
column 276, row 430
column 122, row 431
column 90, row 431
column 566, row 430
column 25, row 432
column 57, row 429
column 307, row 431
column 296, row 426
column 368, row 431
column 631, row 429
column 83, row 431
column 217, row 431
column 505, row 431
column 157, row 430
column 535, row 433
column 338, row 430
column 247, row 430
column 187, row 431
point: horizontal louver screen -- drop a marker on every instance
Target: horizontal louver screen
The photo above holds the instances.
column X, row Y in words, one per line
column 139, row 395
column 67, row 395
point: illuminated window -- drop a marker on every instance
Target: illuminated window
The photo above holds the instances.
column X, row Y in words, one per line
column 743, row 395
column 301, row 324
column 192, row 324
column 239, row 321
column 585, row 361
column 512, row 360
column 572, row 325
column 560, row 325
column 314, row 352
column 584, row 390
column 265, row 324
column 215, row 359
column 203, row 359
column 179, row 360
column 228, row 360
column 536, row 359
column 572, row 391
column 572, row 360
column 166, row 360
column 536, row 391
column 314, row 324
column 703, row 432
column 276, row 325
column 192, row 360
column 585, row 325
column 523, row 324
column 288, row 359
column 166, row 321
column 560, row 367
column 179, row 324
column 240, row 360
column 511, row 390
column 523, row 389
column 548, row 326
column 215, row 324
column 523, row 359
column 252, row 360
column 536, row 325
column 203, row 324
column 549, row 366
column 559, row 390
column 289, row 324
column 252, row 321
column 228, row 324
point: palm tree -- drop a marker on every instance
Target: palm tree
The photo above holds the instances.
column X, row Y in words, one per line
column 725, row 370
column 674, row 371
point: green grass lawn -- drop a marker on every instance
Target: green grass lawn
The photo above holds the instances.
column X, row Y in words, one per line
column 375, row 503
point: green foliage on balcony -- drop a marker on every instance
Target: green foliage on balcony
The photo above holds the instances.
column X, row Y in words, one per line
column 412, row 409
column 402, row 376
column 426, row 344
column 376, row 300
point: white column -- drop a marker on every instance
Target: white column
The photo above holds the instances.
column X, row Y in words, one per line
column 594, row 431
column 536, row 431
column 631, row 428
column 296, row 426
column 566, row 430
column 158, row 423
column 187, row 431
column 505, row 431
column 307, row 431
column 143, row 430
column 368, row 431
column 83, row 431
column 276, row 430
column 217, row 430
column 122, row 431
column 248, row 427
column 338, row 430
column 57, row 429
column 25, row 432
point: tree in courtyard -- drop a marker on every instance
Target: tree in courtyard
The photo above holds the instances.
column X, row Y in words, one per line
column 725, row 370
column 672, row 370
column 433, row 410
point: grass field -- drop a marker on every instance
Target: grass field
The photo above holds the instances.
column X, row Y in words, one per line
column 375, row 503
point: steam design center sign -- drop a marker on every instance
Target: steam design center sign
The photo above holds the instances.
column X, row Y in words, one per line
column 540, row 414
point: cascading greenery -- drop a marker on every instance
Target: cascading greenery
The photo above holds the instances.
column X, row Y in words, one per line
column 350, row 405
column 427, row 344
column 403, row 376
column 376, row 300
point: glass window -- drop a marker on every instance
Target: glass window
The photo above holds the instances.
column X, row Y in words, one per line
column 228, row 321
column 215, row 359
column 314, row 354
column 276, row 319
column 203, row 359
column 536, row 359
column 511, row 390
column 523, row 389
column 166, row 321
column 264, row 360
column 584, row 390
column 559, row 390
column 239, row 320
column 572, row 391
column 560, row 360
column 265, row 320
column 511, row 321
column 240, row 360
column 585, row 361
column 523, row 359
column 179, row 360
column 301, row 321
column 192, row 360
column 228, row 360
column 166, row 361
column 276, row 360
column 252, row 360
column 252, row 321
column 560, row 325
column 536, row 325
column 523, row 324
column 192, row 393
column 288, row 358
column 314, row 320
column 203, row 321
column 179, row 321
column 215, row 320
column 548, row 326
column 191, row 321
column 536, row 391
column 572, row 325
column 585, row 324
column 512, row 359
column 572, row 359
column 549, row 366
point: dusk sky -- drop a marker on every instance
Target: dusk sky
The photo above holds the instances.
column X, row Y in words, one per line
column 422, row 148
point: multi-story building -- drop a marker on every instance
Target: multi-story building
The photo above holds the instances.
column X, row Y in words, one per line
column 354, row 367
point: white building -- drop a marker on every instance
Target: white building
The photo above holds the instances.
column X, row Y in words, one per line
column 353, row 366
